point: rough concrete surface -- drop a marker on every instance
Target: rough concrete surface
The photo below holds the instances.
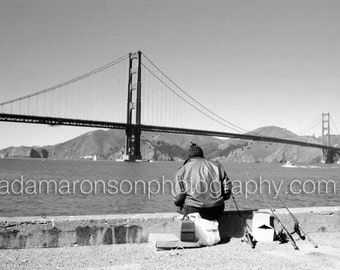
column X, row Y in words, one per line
column 231, row 255
column 67, row 231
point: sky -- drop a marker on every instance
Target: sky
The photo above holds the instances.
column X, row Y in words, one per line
column 254, row 62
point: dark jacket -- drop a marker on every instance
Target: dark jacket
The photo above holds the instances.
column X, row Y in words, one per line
column 201, row 183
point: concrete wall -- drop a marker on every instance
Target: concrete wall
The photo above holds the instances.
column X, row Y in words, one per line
column 33, row 232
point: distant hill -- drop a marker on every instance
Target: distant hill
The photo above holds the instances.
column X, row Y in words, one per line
column 109, row 144
column 252, row 151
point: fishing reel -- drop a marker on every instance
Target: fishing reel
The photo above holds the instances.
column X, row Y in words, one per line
column 249, row 240
column 282, row 237
column 298, row 231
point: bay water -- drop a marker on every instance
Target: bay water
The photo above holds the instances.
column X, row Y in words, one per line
column 44, row 187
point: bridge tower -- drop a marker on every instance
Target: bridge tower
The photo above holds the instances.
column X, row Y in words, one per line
column 328, row 154
column 326, row 137
column 133, row 131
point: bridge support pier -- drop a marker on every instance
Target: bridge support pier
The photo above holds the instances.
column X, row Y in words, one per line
column 133, row 131
column 329, row 155
column 132, row 144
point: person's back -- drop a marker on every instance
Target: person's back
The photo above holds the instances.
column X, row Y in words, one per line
column 201, row 185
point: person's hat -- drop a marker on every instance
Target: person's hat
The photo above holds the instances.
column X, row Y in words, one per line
column 195, row 151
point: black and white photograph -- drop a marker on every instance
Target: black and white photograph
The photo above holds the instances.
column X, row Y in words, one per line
column 169, row 134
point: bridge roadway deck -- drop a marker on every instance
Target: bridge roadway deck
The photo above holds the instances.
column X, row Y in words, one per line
column 54, row 121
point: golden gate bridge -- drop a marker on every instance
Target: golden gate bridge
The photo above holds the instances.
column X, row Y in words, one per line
column 133, row 94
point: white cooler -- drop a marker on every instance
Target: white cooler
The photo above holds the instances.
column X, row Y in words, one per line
column 262, row 230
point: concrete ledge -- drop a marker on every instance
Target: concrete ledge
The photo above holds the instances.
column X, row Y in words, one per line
column 59, row 231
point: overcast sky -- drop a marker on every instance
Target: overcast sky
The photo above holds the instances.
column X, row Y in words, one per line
column 255, row 63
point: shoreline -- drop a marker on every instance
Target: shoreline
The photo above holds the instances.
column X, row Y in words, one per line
column 175, row 161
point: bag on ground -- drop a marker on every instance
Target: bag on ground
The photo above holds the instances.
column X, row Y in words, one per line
column 205, row 230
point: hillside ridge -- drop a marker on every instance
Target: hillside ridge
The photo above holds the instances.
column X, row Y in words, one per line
column 109, row 145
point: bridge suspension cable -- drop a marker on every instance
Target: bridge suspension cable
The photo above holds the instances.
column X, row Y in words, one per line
column 333, row 124
column 96, row 95
column 310, row 126
column 172, row 90
column 102, row 94
column 117, row 61
column 199, row 106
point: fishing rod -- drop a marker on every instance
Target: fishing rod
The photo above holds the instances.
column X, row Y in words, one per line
column 297, row 226
column 281, row 224
column 247, row 230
